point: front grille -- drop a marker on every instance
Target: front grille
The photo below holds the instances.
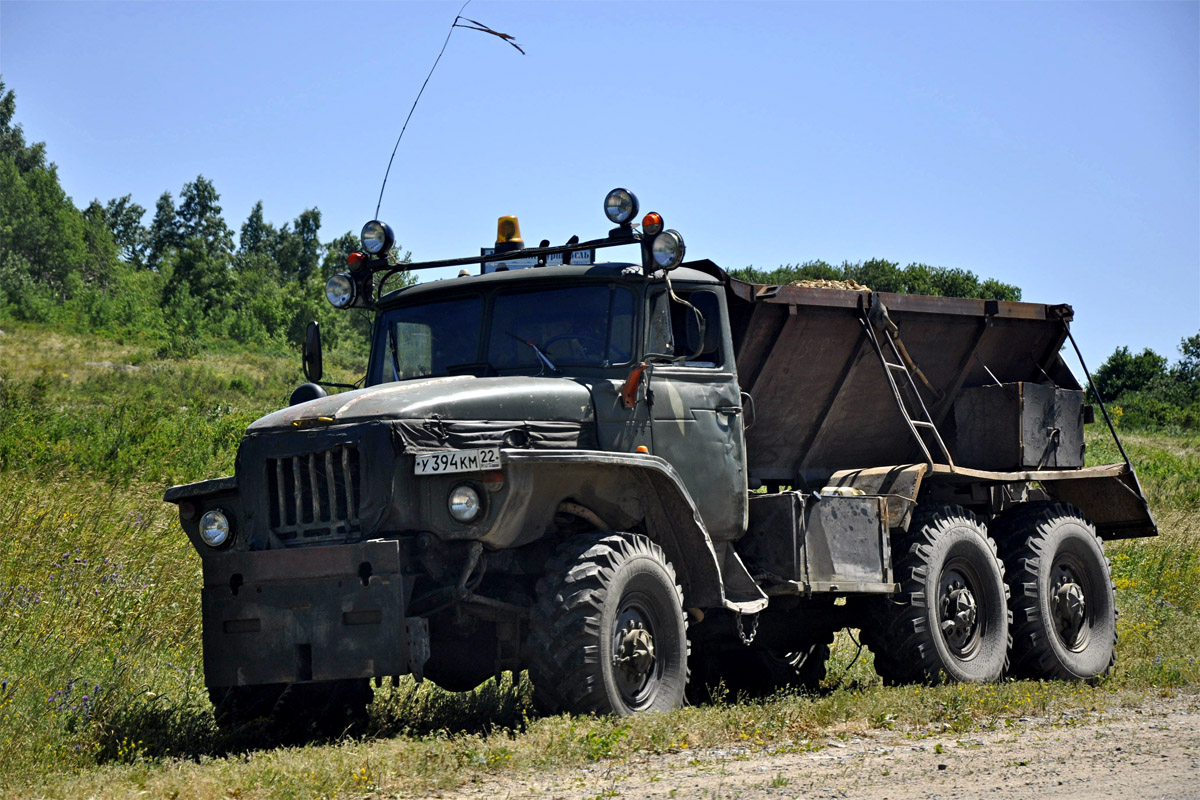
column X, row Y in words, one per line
column 315, row 495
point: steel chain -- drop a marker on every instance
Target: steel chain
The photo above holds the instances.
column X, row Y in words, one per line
column 746, row 640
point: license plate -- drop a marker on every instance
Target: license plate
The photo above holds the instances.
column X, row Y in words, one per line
column 458, row 461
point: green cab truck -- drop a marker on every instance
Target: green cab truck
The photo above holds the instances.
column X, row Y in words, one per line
column 637, row 479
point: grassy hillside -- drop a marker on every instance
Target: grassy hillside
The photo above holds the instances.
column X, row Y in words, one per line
column 100, row 685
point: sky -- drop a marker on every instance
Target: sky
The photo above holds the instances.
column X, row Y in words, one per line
column 1055, row 146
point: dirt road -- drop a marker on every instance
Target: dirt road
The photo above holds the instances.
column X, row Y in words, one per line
column 1147, row 752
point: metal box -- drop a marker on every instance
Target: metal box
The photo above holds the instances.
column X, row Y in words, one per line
column 819, row 543
column 1019, row 426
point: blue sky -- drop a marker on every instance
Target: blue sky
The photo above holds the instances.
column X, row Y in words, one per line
column 1051, row 145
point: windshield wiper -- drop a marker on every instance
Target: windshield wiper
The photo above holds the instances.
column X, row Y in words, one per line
column 546, row 362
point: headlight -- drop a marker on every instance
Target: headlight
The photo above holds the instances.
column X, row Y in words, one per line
column 464, row 503
column 340, row 290
column 377, row 237
column 214, row 528
column 668, row 249
column 620, row 206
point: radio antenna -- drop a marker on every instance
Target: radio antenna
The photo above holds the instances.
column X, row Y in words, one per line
column 458, row 23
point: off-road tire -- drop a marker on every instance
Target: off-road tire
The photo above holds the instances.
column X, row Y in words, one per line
column 946, row 566
column 596, row 590
column 1050, row 548
column 757, row 671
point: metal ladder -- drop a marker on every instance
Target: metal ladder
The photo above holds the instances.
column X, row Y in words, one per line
column 916, row 423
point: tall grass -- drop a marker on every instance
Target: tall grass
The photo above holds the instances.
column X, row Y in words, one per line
column 100, row 686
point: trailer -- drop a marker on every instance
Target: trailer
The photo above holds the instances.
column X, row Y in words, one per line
column 639, row 480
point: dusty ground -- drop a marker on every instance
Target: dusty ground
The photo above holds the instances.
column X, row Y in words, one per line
column 1148, row 752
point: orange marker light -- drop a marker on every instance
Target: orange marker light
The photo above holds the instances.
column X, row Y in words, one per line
column 641, row 448
column 652, row 224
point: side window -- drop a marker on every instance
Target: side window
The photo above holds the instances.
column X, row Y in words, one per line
column 413, row 349
column 675, row 329
column 660, row 341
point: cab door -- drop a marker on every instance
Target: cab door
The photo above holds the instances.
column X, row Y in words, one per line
column 696, row 415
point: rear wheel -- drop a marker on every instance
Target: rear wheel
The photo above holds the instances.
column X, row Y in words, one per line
column 1063, row 604
column 950, row 620
column 608, row 634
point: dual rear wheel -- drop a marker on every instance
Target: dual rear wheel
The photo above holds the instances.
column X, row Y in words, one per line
column 1040, row 606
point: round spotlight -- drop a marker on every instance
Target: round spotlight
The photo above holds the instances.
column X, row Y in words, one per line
column 668, row 250
column 214, row 528
column 652, row 224
column 464, row 503
column 377, row 237
column 620, row 206
column 340, row 290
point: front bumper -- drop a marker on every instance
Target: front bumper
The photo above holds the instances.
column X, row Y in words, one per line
column 308, row 614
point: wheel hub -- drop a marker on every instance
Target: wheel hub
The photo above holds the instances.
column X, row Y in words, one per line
column 634, row 654
column 960, row 615
column 1070, row 606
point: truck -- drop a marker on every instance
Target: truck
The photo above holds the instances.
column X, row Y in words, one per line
column 640, row 479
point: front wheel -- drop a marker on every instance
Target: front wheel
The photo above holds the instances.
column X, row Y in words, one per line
column 950, row 620
column 608, row 634
column 1063, row 604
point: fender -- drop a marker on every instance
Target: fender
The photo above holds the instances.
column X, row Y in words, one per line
column 627, row 491
column 1108, row 494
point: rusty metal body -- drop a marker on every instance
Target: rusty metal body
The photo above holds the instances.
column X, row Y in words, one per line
column 994, row 383
column 818, row 387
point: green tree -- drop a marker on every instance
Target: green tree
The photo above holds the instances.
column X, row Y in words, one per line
column 200, row 218
column 1187, row 369
column 12, row 138
column 101, row 248
column 165, row 234
column 200, row 276
column 257, row 236
column 124, row 220
column 881, row 275
column 333, row 253
column 44, row 239
column 297, row 248
column 1123, row 372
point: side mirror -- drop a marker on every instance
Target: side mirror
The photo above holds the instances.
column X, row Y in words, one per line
column 311, row 355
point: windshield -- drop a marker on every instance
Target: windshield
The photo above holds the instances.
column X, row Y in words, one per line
column 577, row 326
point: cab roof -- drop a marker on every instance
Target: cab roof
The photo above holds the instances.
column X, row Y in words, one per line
column 691, row 272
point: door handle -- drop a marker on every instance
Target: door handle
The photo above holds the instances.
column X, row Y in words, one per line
column 730, row 411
